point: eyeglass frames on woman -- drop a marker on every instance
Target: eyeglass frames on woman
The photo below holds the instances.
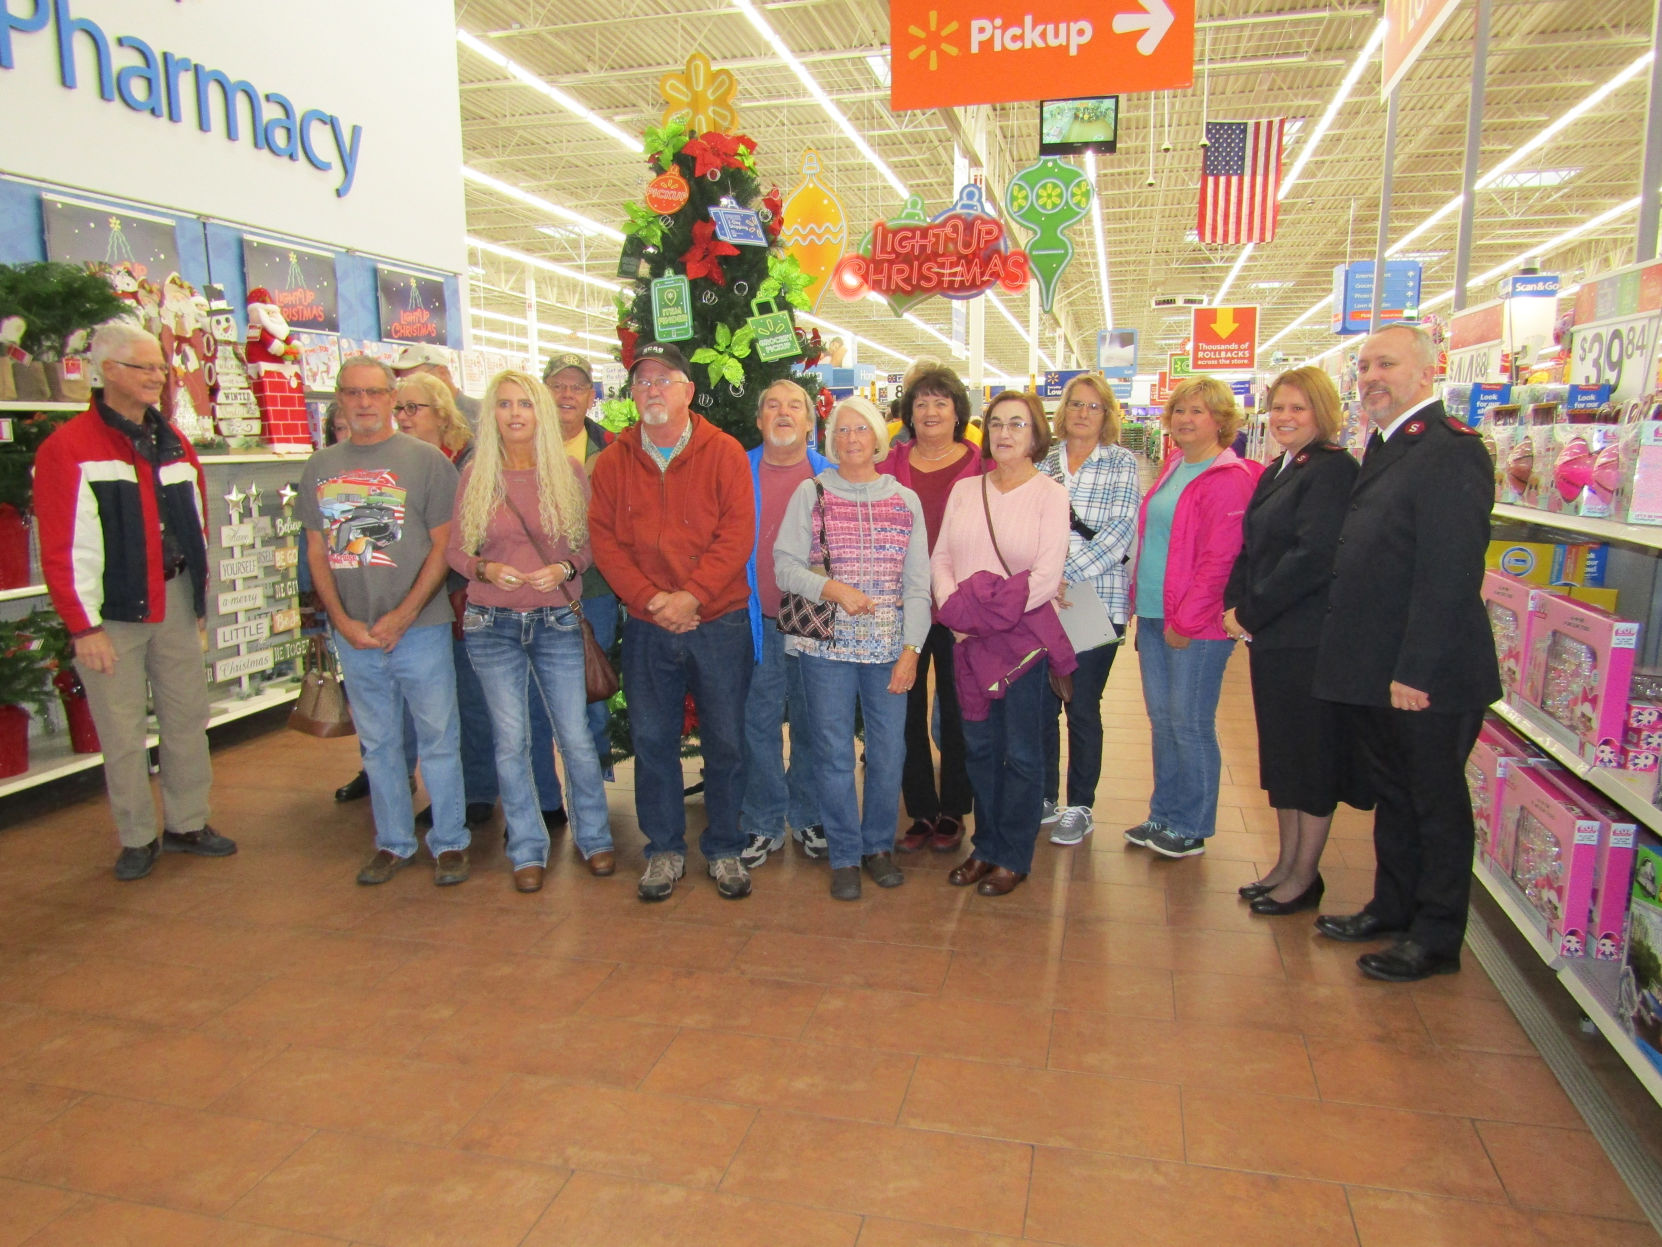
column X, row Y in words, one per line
column 399, row 409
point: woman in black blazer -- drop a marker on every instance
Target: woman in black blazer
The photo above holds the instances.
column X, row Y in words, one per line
column 1276, row 599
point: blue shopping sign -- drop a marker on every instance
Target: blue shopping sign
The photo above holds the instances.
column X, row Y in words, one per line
column 1353, row 294
column 1051, row 384
column 1116, row 353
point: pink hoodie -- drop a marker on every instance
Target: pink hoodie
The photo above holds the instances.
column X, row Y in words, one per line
column 1205, row 538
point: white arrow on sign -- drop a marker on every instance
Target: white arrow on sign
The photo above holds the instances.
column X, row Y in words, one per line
column 1154, row 21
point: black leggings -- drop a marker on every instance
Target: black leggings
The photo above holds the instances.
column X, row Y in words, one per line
column 917, row 781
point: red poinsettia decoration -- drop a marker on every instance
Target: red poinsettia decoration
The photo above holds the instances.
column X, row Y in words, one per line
column 774, row 202
column 715, row 150
column 703, row 258
column 627, row 337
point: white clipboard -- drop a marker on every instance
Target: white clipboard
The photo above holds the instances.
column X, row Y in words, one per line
column 1085, row 619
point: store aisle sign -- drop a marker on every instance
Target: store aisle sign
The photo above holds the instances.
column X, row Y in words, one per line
column 1223, row 338
column 171, row 87
column 951, row 52
column 1410, row 25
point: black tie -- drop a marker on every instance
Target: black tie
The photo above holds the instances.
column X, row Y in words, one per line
column 1375, row 440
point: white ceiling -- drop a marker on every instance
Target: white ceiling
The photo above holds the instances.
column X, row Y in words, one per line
column 1263, row 58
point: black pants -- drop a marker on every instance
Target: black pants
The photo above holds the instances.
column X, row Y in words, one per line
column 917, row 780
column 1084, row 728
column 1422, row 828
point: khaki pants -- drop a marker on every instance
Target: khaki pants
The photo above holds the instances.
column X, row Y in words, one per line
column 168, row 657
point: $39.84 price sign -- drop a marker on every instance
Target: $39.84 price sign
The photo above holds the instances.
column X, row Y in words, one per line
column 1619, row 353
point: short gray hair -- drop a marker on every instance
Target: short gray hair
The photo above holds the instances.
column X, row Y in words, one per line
column 367, row 361
column 863, row 408
column 1424, row 347
column 115, row 336
column 786, row 385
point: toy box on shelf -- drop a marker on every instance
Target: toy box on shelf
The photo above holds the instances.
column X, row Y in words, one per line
column 1639, row 500
column 1639, row 996
column 1513, row 452
column 1509, row 602
column 1612, row 877
column 1550, row 563
column 1586, row 463
column 1554, row 853
column 1498, row 751
column 1577, row 672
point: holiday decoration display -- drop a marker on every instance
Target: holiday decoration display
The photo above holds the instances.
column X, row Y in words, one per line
column 187, row 397
column 815, row 229
column 256, row 608
column 1045, row 199
column 274, row 375
column 704, row 257
column 236, row 413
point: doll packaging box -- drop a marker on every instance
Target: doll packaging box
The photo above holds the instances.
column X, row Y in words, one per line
column 1555, row 842
column 1578, row 668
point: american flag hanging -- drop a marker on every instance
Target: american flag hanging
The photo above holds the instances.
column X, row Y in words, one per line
column 1240, row 175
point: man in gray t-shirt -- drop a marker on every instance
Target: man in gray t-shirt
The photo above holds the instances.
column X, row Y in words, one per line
column 377, row 513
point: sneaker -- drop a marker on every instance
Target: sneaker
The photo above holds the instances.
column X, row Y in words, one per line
column 662, row 870
column 1073, row 824
column 813, row 842
column 884, row 873
column 1168, row 843
column 450, row 868
column 845, row 883
column 1139, row 835
column 137, row 863
column 1049, row 813
column 204, row 843
column 757, row 848
column 732, row 879
column 383, row 866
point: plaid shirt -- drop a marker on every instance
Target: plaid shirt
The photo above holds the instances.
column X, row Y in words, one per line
column 1105, row 496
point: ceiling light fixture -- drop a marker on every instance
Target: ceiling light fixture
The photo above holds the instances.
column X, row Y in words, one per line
column 1339, row 98
column 562, row 270
column 630, row 142
column 496, row 184
column 1017, row 325
column 1234, row 272
column 755, row 18
column 518, row 320
column 1101, row 242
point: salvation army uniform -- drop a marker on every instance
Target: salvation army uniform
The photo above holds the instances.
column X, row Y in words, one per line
column 1404, row 606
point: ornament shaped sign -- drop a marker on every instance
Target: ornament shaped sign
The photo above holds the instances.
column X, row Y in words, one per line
column 959, row 254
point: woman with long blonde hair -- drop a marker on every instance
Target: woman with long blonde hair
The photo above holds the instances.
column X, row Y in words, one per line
column 520, row 537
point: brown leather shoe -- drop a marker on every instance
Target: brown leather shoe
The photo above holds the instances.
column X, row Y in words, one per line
column 602, row 864
column 970, row 870
column 451, row 868
column 949, row 834
column 528, row 878
column 917, row 835
column 999, row 882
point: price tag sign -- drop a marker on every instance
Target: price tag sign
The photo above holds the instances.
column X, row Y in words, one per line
column 1619, row 353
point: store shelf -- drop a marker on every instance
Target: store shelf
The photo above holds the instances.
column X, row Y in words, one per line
column 26, row 591
column 52, row 757
column 1647, row 535
column 1599, row 777
column 29, row 404
column 1591, row 984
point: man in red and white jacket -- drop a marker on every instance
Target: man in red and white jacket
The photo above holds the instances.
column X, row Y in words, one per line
column 120, row 503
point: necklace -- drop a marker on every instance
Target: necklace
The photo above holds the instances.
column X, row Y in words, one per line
column 918, row 454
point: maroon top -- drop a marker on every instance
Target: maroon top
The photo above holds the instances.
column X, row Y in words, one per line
column 931, row 488
column 777, row 485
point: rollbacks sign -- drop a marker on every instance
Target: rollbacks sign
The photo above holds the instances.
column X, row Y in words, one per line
column 961, row 253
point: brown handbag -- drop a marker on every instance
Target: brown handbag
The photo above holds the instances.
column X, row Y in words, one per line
column 600, row 680
column 321, row 708
column 1061, row 685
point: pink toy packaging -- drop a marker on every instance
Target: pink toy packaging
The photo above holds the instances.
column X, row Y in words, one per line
column 1514, row 457
column 1507, row 600
column 1640, row 498
column 1612, row 871
column 1498, row 750
column 1539, row 434
column 1586, row 463
column 1554, row 855
column 1579, row 666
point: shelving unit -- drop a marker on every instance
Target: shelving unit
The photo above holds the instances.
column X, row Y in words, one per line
column 1599, row 777
column 52, row 758
column 1645, row 535
column 30, row 404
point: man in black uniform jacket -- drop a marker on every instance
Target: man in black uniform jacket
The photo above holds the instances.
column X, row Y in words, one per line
column 1406, row 647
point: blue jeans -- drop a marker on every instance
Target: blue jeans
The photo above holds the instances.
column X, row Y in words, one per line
column 1005, row 756
column 1084, row 729
column 777, row 798
column 514, row 651
column 418, row 672
column 1180, row 689
column 833, row 687
column 601, row 612
column 660, row 667
column 479, row 743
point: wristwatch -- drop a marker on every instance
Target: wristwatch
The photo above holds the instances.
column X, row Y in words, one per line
column 916, row 649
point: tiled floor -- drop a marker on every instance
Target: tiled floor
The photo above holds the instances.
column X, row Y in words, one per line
column 258, row 1052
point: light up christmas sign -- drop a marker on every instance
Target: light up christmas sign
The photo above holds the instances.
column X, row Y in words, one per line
column 959, row 254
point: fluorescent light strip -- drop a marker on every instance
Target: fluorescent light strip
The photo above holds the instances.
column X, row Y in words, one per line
column 1019, row 328
column 547, row 265
column 543, row 205
column 630, row 142
column 518, row 342
column 1233, row 273
column 839, row 330
column 518, row 320
column 767, row 32
column 1101, row 242
column 1339, row 98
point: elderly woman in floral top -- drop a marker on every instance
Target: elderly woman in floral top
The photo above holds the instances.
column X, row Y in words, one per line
column 868, row 529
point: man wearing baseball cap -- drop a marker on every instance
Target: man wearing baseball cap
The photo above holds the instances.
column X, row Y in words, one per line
column 672, row 520
column 424, row 357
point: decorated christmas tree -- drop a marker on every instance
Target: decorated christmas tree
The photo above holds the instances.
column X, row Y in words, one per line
column 702, row 260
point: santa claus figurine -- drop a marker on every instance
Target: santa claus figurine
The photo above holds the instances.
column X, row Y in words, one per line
column 273, row 360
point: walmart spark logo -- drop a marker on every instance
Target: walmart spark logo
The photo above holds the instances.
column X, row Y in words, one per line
column 933, row 41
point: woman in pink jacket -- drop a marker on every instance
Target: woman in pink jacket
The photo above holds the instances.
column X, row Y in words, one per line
column 1189, row 532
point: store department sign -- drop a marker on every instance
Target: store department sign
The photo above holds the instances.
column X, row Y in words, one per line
column 1410, row 25
column 186, row 106
column 950, row 52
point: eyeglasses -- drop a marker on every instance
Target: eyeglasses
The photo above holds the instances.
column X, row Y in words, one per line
column 655, row 383
column 854, row 430
column 569, row 387
column 1075, row 404
column 399, row 409
column 352, row 393
column 1012, row 426
column 149, row 370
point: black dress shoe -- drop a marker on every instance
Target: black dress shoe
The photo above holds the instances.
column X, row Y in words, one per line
column 1356, row 928
column 353, row 789
column 1307, row 899
column 479, row 813
column 555, row 820
column 1407, row 962
column 1252, row 891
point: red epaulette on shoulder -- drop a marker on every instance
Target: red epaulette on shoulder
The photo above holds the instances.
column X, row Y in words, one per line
column 1459, row 425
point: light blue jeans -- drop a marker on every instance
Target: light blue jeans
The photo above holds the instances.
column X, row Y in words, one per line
column 833, row 687
column 1180, row 690
column 511, row 649
column 777, row 798
column 601, row 611
column 418, row 673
